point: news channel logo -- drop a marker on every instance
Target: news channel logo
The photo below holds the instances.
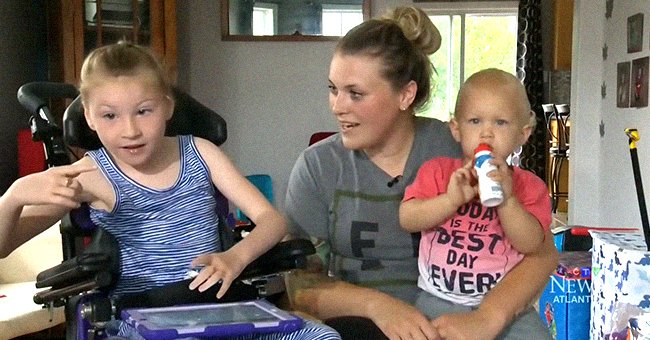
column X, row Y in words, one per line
column 575, row 272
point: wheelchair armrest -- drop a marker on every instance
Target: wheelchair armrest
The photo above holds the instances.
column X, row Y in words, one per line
column 178, row 293
column 100, row 279
column 96, row 267
column 284, row 256
column 72, row 270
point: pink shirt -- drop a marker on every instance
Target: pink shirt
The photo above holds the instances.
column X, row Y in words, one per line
column 462, row 259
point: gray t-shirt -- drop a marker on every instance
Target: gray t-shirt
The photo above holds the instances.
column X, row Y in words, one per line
column 340, row 196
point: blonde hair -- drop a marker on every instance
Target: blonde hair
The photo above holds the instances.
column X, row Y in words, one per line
column 499, row 80
column 417, row 28
column 122, row 59
column 403, row 39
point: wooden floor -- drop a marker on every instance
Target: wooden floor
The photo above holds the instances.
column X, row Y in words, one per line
column 56, row 332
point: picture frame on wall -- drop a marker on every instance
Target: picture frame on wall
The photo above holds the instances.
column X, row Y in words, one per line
column 623, row 84
column 635, row 33
column 639, row 83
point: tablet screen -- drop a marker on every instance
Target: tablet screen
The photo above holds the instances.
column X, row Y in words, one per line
column 208, row 317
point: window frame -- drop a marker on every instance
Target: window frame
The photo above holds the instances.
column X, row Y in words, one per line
column 339, row 9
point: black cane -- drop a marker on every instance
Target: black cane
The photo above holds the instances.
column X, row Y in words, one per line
column 633, row 135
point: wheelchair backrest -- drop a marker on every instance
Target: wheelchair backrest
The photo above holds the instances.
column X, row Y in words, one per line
column 190, row 117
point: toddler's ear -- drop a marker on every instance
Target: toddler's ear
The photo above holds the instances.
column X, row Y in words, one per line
column 455, row 129
column 526, row 131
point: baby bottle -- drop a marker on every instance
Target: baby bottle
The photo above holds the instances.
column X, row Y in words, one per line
column 490, row 192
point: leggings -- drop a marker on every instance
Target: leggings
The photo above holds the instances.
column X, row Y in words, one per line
column 310, row 330
column 528, row 325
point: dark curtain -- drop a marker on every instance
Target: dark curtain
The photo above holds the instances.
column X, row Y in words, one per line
column 530, row 71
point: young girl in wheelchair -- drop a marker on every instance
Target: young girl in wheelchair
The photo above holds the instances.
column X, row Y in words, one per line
column 154, row 193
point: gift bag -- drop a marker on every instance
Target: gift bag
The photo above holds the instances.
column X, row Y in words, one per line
column 565, row 304
column 620, row 282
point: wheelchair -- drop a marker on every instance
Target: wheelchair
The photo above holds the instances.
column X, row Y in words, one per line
column 90, row 266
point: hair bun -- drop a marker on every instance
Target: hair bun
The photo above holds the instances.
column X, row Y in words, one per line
column 417, row 28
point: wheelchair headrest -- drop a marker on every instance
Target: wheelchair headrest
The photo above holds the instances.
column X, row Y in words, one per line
column 190, row 117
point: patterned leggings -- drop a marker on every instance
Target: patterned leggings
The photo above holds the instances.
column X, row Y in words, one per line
column 310, row 330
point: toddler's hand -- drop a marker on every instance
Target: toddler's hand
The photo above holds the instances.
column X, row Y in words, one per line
column 462, row 186
column 503, row 175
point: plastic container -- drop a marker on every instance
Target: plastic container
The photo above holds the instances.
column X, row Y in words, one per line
column 490, row 191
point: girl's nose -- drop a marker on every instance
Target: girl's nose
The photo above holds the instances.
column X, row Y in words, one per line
column 131, row 128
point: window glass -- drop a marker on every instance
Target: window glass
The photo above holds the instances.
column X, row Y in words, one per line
column 339, row 19
column 265, row 17
column 473, row 38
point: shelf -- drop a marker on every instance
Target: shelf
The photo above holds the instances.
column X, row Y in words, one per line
column 115, row 28
column 73, row 31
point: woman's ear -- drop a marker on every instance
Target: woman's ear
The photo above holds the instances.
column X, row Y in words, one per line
column 407, row 95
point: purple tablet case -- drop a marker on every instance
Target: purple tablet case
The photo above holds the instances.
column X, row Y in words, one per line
column 211, row 320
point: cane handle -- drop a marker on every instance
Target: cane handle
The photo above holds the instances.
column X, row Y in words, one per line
column 633, row 135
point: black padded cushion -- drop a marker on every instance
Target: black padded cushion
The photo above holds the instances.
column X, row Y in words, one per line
column 356, row 328
column 190, row 117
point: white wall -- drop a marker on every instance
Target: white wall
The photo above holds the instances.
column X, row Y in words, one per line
column 586, row 78
column 602, row 184
column 273, row 95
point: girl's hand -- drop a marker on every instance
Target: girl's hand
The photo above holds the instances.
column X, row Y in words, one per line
column 58, row 185
column 222, row 267
column 462, row 186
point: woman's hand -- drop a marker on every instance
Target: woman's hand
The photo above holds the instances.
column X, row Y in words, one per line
column 474, row 325
column 222, row 267
column 399, row 320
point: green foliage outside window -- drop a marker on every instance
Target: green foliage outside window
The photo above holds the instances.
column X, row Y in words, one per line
column 490, row 42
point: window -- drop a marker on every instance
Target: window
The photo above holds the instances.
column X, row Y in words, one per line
column 265, row 18
column 339, row 19
column 474, row 37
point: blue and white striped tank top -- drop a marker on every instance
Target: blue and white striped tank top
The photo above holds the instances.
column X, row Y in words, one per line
column 159, row 231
